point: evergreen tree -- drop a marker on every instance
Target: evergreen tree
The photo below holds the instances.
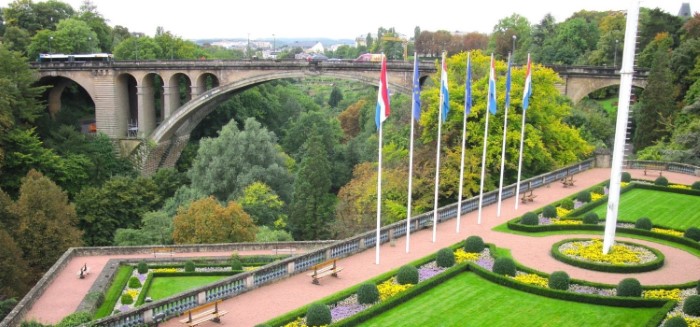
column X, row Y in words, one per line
column 335, row 97
column 655, row 112
column 13, row 271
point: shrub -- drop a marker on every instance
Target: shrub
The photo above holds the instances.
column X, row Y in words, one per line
column 445, row 258
column 691, row 306
column 598, row 189
column 626, row 177
column 134, row 282
column 591, row 218
column 236, row 264
column 318, row 315
column 189, row 266
column 75, row 319
column 549, row 212
column 643, row 223
column 676, row 321
column 504, row 266
column 407, row 275
column 530, row 218
column 695, row 186
column 584, row 196
column 629, row 287
column 692, row 233
column 127, row 299
column 567, row 204
column 142, row 267
column 697, row 288
column 474, row 244
column 559, row 280
column 661, row 181
column 367, row 293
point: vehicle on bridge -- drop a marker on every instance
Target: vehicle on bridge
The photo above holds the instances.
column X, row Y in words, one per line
column 87, row 57
column 370, row 57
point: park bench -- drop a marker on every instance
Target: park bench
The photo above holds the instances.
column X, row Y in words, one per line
column 528, row 197
column 568, row 181
column 84, row 271
column 324, row 269
column 202, row 313
column 660, row 168
column 163, row 251
column 289, row 251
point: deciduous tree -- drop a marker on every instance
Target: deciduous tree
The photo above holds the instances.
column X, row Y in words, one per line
column 206, row 221
column 263, row 205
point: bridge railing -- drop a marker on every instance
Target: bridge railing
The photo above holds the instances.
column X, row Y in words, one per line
column 667, row 166
column 234, row 285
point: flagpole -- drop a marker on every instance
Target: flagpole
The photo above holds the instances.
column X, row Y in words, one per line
column 467, row 110
column 437, row 157
column 526, row 90
column 382, row 112
column 410, row 155
column 379, row 194
column 505, row 133
column 490, row 107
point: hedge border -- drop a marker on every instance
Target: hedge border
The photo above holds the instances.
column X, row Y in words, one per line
column 144, row 290
column 625, row 269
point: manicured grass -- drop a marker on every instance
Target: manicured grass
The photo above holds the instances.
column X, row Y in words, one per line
column 162, row 287
column 672, row 210
column 610, row 105
column 469, row 300
column 115, row 291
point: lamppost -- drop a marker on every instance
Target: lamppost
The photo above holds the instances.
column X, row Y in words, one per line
column 50, row 57
column 137, row 47
column 514, row 38
column 615, row 55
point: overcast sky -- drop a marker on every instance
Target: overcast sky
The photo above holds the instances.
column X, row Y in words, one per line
column 337, row 19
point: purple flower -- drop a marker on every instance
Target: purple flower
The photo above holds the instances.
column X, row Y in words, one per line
column 486, row 263
column 142, row 277
column 427, row 272
column 344, row 311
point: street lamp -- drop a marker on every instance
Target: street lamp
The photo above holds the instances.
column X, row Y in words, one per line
column 50, row 57
column 615, row 55
column 137, row 47
column 514, row 38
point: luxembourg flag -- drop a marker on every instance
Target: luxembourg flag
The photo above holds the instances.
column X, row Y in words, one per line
column 527, row 92
column 383, row 108
column 492, row 87
column 444, row 89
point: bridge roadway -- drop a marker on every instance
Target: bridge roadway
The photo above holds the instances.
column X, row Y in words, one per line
column 248, row 309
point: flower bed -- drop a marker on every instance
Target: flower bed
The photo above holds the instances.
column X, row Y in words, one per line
column 624, row 257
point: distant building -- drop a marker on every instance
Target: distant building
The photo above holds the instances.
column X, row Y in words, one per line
column 685, row 12
column 317, row 48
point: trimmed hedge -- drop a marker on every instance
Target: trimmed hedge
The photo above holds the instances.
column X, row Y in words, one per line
column 318, row 315
column 691, row 306
column 549, row 212
column 530, row 219
column 661, row 181
column 591, row 218
column 626, row 177
column 367, row 293
column 695, row 186
column 584, row 196
column 567, row 204
column 189, row 266
column 504, row 266
column 134, row 282
column 648, row 266
column 142, row 267
column 559, row 280
column 643, row 223
column 144, row 290
column 445, row 258
column 407, row 275
column 127, row 299
column 629, row 287
column 676, row 321
column 692, row 233
column 474, row 244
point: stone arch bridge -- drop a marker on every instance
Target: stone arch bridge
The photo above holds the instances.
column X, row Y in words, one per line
column 161, row 102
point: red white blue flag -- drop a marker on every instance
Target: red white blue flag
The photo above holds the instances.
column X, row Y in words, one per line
column 527, row 92
column 383, row 108
column 492, row 87
column 444, row 90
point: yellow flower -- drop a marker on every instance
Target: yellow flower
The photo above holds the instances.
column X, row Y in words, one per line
column 593, row 251
column 682, row 187
column 133, row 292
column 596, row 196
column 297, row 323
column 390, row 288
column 561, row 212
column 533, row 279
column 566, row 222
column 165, row 270
column 667, row 231
column 462, row 256
column 674, row 294
column 691, row 321
column 624, row 184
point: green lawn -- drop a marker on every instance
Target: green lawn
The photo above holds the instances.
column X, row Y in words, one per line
column 672, row 210
column 115, row 290
column 469, row 300
column 162, row 287
column 610, row 105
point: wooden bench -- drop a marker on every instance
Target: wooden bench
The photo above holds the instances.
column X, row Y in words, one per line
column 202, row 313
column 84, row 271
column 568, row 181
column 660, row 168
column 324, row 269
column 163, row 251
column 528, row 197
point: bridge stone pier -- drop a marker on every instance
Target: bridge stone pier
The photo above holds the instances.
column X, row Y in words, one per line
column 151, row 107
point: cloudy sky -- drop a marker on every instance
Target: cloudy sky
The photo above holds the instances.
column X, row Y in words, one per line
column 337, row 19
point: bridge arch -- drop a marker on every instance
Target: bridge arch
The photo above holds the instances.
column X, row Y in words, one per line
column 578, row 87
column 58, row 85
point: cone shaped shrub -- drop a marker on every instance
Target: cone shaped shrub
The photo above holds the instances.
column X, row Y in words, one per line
column 567, row 204
column 661, row 181
column 504, row 266
column 583, row 196
column 626, row 177
column 318, row 315
column 692, row 233
column 474, row 244
column 676, row 321
column 407, row 275
column 236, row 264
column 549, row 212
column 127, row 299
column 134, row 282
column 367, row 293
column 691, row 306
column 445, row 258
column 629, row 287
column 189, row 266
column 590, row 218
column 530, row 218
column 142, row 267
column 643, row 223
column 559, row 280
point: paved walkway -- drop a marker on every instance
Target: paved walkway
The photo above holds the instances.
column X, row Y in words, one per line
column 269, row 301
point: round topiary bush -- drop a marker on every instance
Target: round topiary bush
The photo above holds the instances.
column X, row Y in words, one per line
column 318, row 315
column 676, row 321
column 236, row 264
column 189, row 266
column 504, row 266
column 598, row 189
column 626, row 177
column 559, row 280
column 367, row 293
column 127, row 299
column 142, row 267
column 629, row 287
column 134, row 282
column 474, row 244
column 445, row 258
column 643, row 223
column 695, row 186
column 692, row 233
column 591, row 218
column 567, row 204
column 530, row 218
column 661, row 181
column 549, row 212
column 584, row 196
column 691, row 306
column 407, row 275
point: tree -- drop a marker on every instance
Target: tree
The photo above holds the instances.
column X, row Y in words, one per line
column 138, row 48
column 263, row 205
column 71, row 36
column 47, row 222
column 501, row 41
column 13, row 271
column 655, row 21
column 655, row 112
column 89, row 14
column 573, row 39
column 335, row 97
column 206, row 221
column 157, row 229
column 18, row 95
column 267, row 234
column 37, row 16
column 226, row 165
column 312, row 206
column 16, row 39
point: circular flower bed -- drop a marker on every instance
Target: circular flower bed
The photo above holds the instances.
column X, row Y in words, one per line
column 624, row 257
